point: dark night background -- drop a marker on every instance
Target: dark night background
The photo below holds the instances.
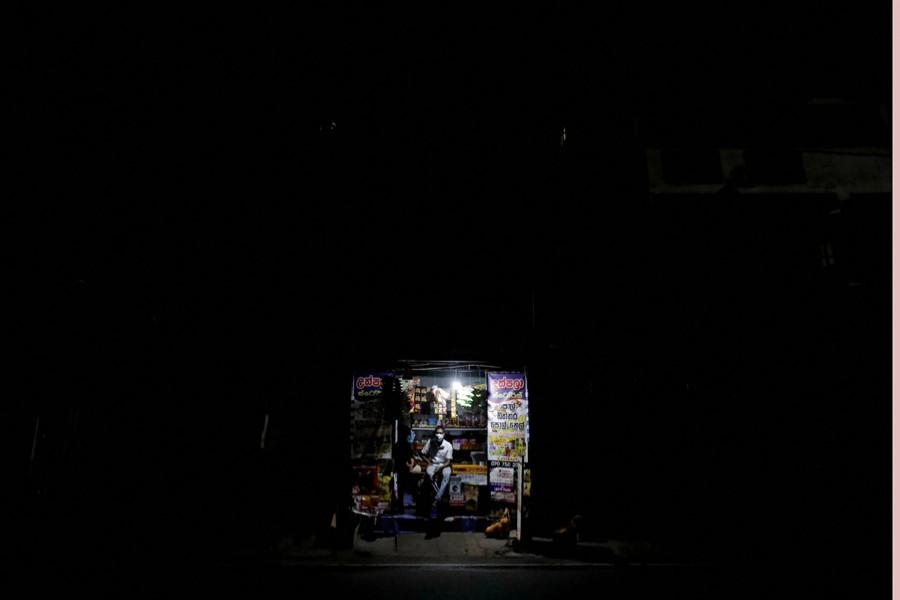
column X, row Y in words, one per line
column 199, row 246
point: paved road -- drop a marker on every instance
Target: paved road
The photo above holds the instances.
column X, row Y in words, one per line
column 439, row 583
column 561, row 582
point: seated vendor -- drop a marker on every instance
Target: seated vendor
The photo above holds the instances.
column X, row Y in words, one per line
column 437, row 455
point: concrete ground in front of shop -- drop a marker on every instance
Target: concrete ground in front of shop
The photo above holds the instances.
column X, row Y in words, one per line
column 451, row 547
column 466, row 548
column 460, row 540
column 409, row 548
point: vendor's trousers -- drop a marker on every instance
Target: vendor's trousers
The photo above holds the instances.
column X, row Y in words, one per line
column 445, row 480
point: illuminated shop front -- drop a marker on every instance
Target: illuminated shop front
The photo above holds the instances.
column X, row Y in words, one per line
column 484, row 412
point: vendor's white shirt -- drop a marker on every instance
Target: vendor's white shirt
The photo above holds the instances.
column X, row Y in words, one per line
column 444, row 453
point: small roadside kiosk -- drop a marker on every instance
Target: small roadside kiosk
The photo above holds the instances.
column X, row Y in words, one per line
column 484, row 411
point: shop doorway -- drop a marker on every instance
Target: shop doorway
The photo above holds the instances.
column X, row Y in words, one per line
column 482, row 411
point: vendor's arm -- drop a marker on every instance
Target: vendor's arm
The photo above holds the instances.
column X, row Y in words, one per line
column 446, row 462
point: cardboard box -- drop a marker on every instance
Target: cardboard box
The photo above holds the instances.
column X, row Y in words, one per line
column 470, row 469
column 470, row 497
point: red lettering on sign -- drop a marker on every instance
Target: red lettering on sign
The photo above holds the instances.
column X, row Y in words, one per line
column 505, row 382
column 370, row 381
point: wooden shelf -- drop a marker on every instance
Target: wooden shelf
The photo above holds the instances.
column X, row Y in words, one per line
column 455, row 450
column 450, row 428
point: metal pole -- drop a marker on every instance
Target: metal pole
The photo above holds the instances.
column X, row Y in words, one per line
column 519, row 502
column 262, row 439
column 37, row 425
column 532, row 306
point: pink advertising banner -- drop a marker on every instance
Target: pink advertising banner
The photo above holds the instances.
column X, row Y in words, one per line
column 507, row 418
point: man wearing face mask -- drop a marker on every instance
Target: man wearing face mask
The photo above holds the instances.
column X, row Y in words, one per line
column 438, row 453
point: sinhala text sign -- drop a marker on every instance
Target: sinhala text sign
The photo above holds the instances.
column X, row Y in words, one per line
column 507, row 431
column 370, row 436
column 370, row 445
